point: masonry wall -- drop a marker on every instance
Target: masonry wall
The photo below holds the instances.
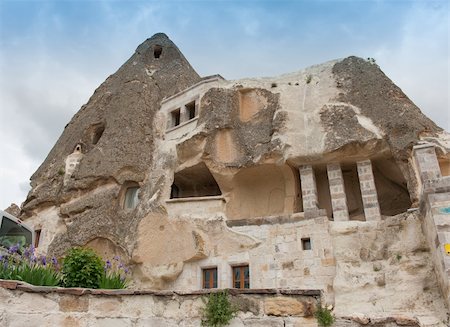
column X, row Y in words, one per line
column 25, row 305
column 383, row 268
column 277, row 261
column 436, row 226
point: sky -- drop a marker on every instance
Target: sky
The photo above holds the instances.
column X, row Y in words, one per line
column 54, row 54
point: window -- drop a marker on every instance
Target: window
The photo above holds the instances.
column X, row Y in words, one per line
column 190, row 109
column 157, row 51
column 37, row 238
column 210, row 278
column 175, row 118
column 13, row 233
column 97, row 133
column 131, row 198
column 306, row 244
column 241, row 277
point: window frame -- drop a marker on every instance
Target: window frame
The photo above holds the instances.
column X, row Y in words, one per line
column 215, row 274
column 191, row 109
column 242, row 278
column 306, row 240
column 37, row 237
column 175, row 118
column 135, row 197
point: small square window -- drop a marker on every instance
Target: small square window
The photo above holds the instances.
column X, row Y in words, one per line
column 175, row 118
column 210, row 277
column 306, row 244
column 241, row 277
column 190, row 109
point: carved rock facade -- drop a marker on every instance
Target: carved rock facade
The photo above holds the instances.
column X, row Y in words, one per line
column 324, row 179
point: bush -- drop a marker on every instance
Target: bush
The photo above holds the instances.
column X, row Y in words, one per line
column 27, row 267
column 218, row 310
column 82, row 268
column 323, row 316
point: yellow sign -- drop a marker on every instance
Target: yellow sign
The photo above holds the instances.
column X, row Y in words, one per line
column 447, row 248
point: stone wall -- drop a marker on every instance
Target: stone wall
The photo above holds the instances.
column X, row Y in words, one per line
column 33, row 306
column 277, row 258
column 435, row 207
column 383, row 268
column 25, row 305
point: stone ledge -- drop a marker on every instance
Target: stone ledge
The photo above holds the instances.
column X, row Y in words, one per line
column 270, row 220
column 400, row 320
column 25, row 287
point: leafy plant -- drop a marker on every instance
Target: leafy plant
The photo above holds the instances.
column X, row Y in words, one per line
column 308, row 79
column 25, row 266
column 115, row 275
column 324, row 316
column 218, row 310
column 82, row 268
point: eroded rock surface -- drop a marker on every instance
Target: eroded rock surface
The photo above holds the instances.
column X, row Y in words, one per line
column 304, row 180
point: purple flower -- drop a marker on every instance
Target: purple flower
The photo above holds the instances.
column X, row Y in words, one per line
column 126, row 270
column 54, row 261
column 13, row 249
column 108, row 265
column 117, row 258
column 43, row 260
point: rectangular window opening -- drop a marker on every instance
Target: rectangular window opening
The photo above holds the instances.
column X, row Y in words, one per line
column 209, row 277
column 241, row 276
column 190, row 109
column 306, row 244
column 175, row 118
column 37, row 237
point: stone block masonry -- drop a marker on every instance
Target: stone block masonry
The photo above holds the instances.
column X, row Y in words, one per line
column 32, row 306
column 309, row 188
column 436, row 210
column 427, row 162
column 337, row 192
column 368, row 190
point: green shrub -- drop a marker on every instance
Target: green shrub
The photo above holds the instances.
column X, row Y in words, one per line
column 218, row 310
column 82, row 268
column 323, row 316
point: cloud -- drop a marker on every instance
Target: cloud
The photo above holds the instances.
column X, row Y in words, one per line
column 419, row 62
column 53, row 55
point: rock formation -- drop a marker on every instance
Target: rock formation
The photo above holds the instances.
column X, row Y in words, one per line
column 311, row 180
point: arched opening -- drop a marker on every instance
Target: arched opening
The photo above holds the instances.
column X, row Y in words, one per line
column 157, row 50
column 195, row 181
column 107, row 249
